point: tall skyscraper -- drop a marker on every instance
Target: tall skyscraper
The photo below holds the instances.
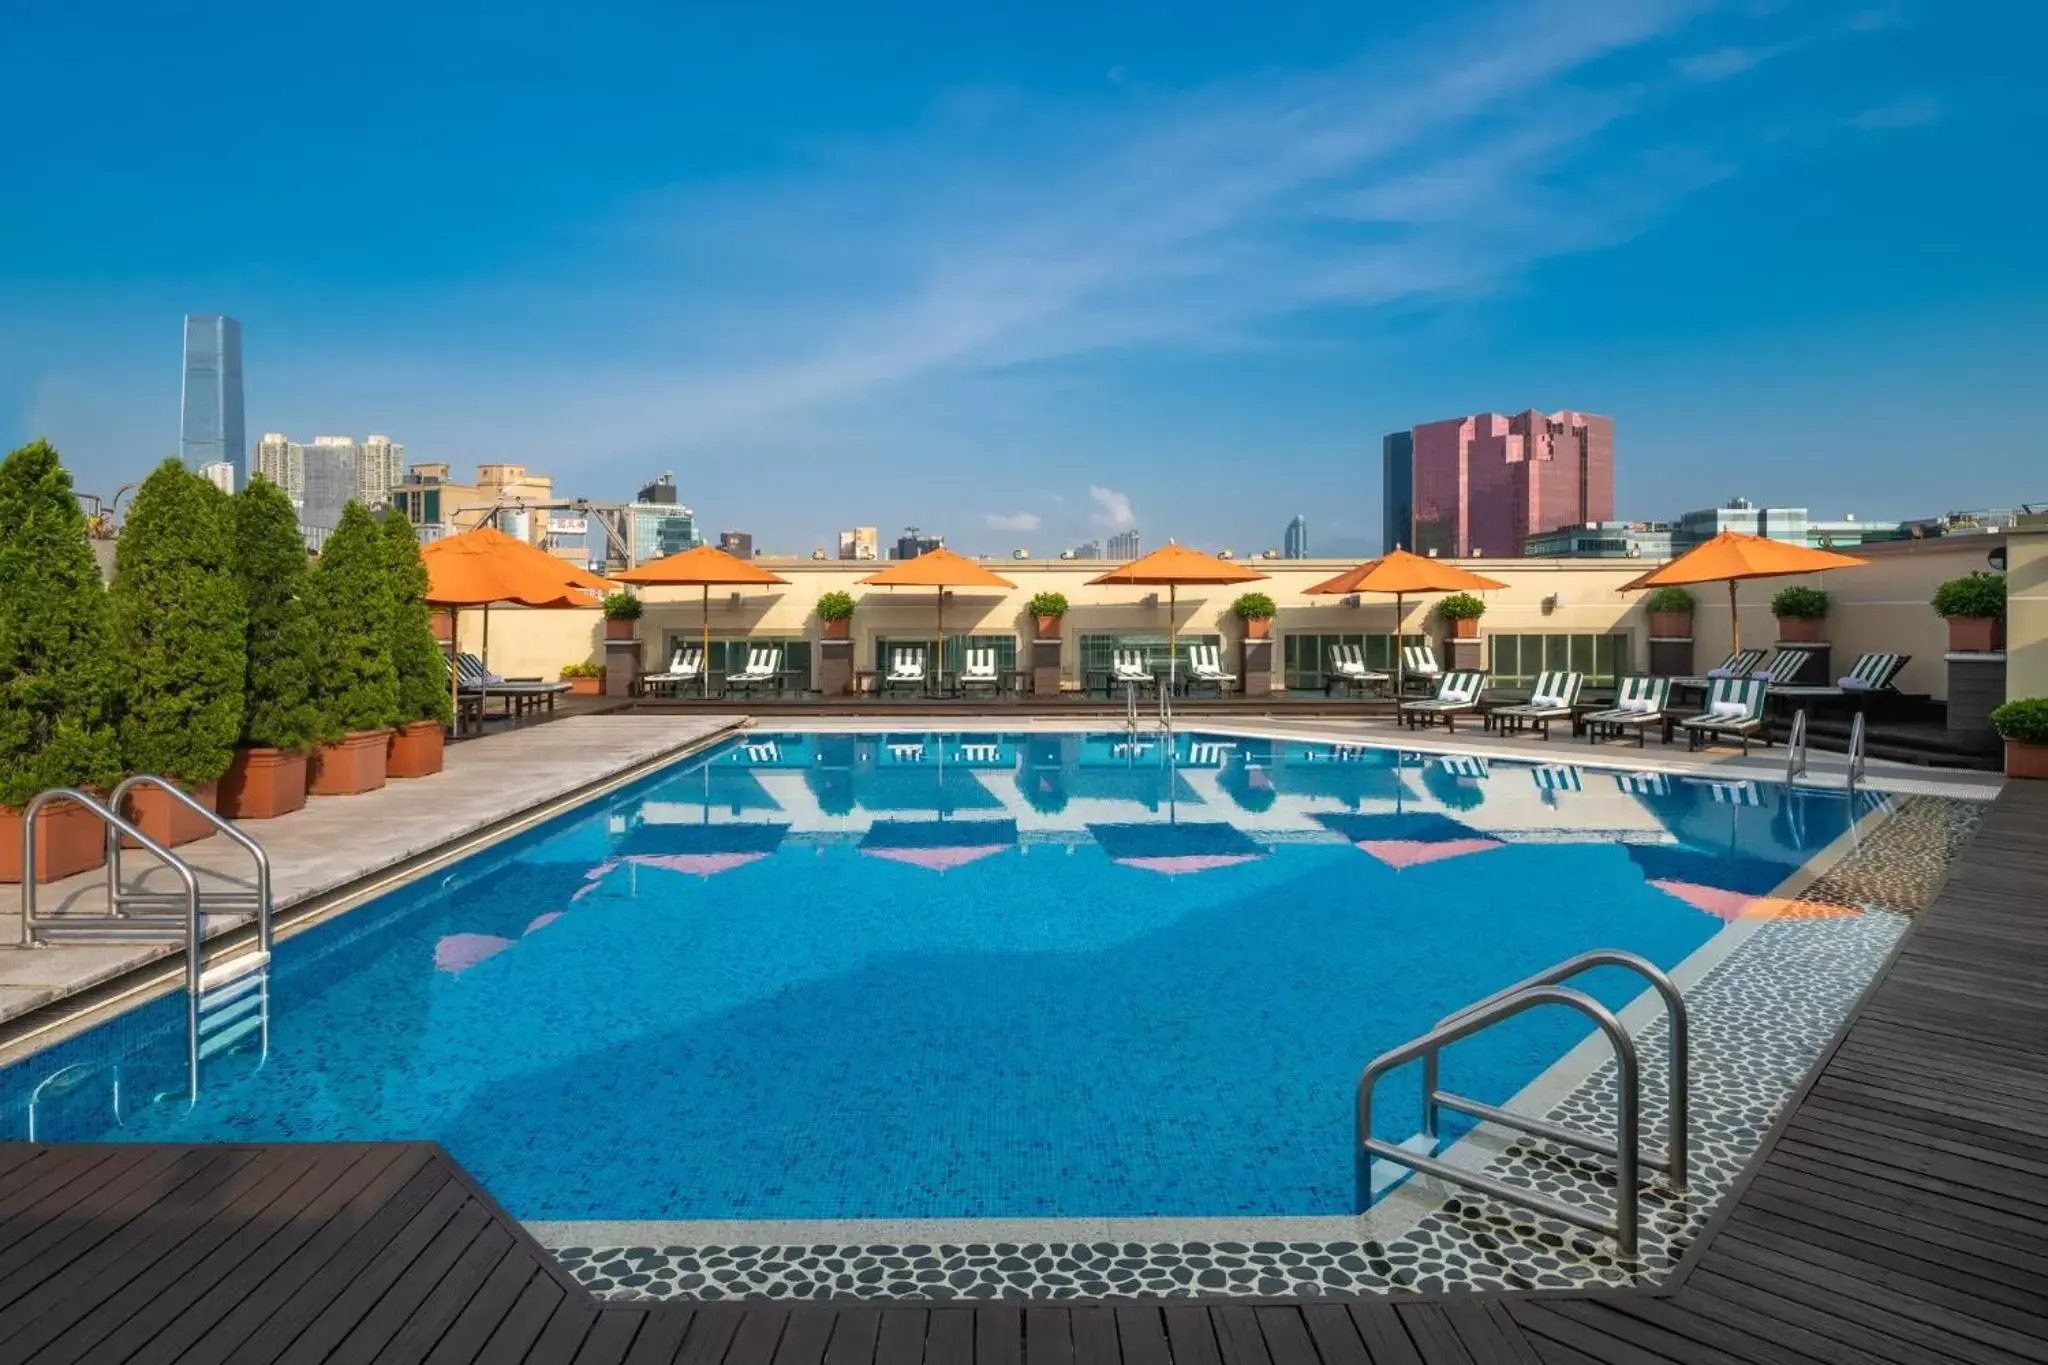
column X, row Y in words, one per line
column 738, row 544
column 1397, row 491
column 220, row 474
column 1485, row 484
column 862, row 542
column 1124, row 544
column 210, row 420
column 1294, row 545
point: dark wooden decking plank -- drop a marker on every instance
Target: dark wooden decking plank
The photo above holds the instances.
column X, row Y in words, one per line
column 900, row 1340
column 38, row 1194
column 611, row 1336
column 853, row 1337
column 479, row 1317
column 1790, row 1307
column 1899, row 1221
column 1635, row 1334
column 805, row 1338
column 1189, row 1335
column 98, row 1212
column 1751, row 1338
column 1432, row 1334
column 563, row 1336
column 759, row 1333
column 1141, row 1332
column 1386, row 1338
column 384, row 1314
column 948, row 1337
column 1238, row 1338
column 1336, row 1339
column 712, row 1329
column 438, row 1309
column 1094, row 1331
column 998, row 1334
column 1977, row 1142
column 1902, row 1194
column 1287, row 1336
column 661, row 1336
column 1906, row 1250
column 183, row 1311
column 1545, row 1321
column 13, row 1154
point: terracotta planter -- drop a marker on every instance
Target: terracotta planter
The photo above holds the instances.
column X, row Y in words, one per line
column 1975, row 634
column 2026, row 760
column 69, row 840
column 616, row 628
column 1049, row 627
column 354, row 765
column 415, row 749
column 1466, row 628
column 262, row 784
column 166, row 820
column 1258, row 628
column 1799, row 630
column 839, row 630
column 1671, row 625
column 581, row 687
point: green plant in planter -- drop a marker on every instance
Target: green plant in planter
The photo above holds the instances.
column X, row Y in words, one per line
column 1672, row 600
column 1053, row 604
column 179, row 622
column 623, row 606
column 1461, row 606
column 583, row 670
column 56, row 667
column 1800, row 604
column 2022, row 722
column 280, row 644
column 354, row 683
column 1979, row 595
column 1254, row 606
column 415, row 654
column 835, row 606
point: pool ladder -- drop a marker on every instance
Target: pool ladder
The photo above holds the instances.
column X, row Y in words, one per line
column 1545, row 988
column 225, row 1003
column 1796, row 746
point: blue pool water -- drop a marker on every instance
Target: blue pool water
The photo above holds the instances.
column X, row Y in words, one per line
column 815, row 976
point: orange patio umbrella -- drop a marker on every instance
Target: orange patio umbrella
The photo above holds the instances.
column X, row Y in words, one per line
column 939, row 568
column 1170, row 566
column 1734, row 556
column 707, row 567
column 485, row 565
column 1401, row 573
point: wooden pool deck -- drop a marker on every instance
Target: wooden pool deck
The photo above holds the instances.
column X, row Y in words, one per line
column 1898, row 1213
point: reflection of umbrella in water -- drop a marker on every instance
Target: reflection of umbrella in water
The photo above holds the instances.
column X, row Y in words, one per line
column 1175, row 848
column 938, row 845
column 457, row 953
column 701, row 850
column 1726, row 887
column 1408, row 838
column 1374, row 776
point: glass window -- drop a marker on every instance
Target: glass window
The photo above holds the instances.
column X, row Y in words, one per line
column 957, row 646
column 731, row 655
column 1098, row 652
column 1517, row 659
column 1305, row 659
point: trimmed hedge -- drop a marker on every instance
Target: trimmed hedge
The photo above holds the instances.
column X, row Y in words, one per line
column 355, row 685
column 415, row 654
column 280, row 643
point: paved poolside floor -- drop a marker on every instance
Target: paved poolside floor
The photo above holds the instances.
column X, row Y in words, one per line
column 338, row 841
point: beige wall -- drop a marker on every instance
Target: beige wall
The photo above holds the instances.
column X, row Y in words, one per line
column 1880, row 606
column 2026, row 612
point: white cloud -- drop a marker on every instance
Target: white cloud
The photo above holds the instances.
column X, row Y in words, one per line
column 1016, row 521
column 1723, row 62
column 1114, row 508
column 1913, row 111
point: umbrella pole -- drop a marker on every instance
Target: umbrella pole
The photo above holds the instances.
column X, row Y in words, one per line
column 704, row 648
column 1400, row 658
column 1172, row 638
column 936, row 676
column 1734, row 621
column 454, row 679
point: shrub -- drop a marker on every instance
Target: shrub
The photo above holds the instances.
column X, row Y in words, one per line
column 835, row 606
column 1254, row 606
column 179, row 623
column 415, row 654
column 354, row 684
column 1980, row 595
column 1800, row 604
column 623, row 606
column 583, row 670
column 56, row 693
column 280, row 644
column 2023, row 722
column 1049, row 604
column 1461, row 606
column 1673, row 600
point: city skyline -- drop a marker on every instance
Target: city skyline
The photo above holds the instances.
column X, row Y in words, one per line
column 1079, row 281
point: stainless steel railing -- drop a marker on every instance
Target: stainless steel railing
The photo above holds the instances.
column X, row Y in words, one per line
column 1795, row 749
column 257, row 899
column 1857, row 740
column 1544, row 988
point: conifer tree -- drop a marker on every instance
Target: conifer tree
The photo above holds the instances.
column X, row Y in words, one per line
column 415, row 654
column 354, row 684
column 278, row 711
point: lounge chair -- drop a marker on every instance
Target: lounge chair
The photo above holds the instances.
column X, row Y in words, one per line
column 1456, row 694
column 1418, row 663
column 764, row 669
column 906, row 669
column 1205, row 665
column 1127, row 667
column 1788, row 664
column 1873, row 673
column 1347, row 666
column 1640, row 703
column 1740, row 664
column 472, row 677
column 1554, row 697
column 686, row 667
column 1734, row 710
column 979, row 670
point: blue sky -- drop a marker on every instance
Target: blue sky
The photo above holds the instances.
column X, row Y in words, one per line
column 1030, row 273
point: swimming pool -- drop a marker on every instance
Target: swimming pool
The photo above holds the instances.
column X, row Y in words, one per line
column 836, row 976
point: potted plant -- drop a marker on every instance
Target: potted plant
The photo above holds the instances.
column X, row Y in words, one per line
column 585, row 679
column 1462, row 610
column 354, row 683
column 1974, row 607
column 179, row 621
column 1670, row 611
column 424, row 707
column 2023, row 725
column 266, row 777
column 835, row 610
column 1799, row 611
column 1256, row 610
column 1048, row 609
column 56, row 693
column 621, row 610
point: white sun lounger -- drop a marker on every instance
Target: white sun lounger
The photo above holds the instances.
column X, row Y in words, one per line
column 1456, row 694
column 1205, row 665
column 906, row 669
column 1640, row 703
column 1347, row 668
column 1734, row 710
column 1552, row 699
column 764, row 669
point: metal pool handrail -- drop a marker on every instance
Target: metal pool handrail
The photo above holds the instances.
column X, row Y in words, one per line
column 1854, row 778
column 1795, row 749
column 259, row 900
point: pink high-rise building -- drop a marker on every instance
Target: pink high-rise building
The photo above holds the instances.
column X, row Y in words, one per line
column 1485, row 484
